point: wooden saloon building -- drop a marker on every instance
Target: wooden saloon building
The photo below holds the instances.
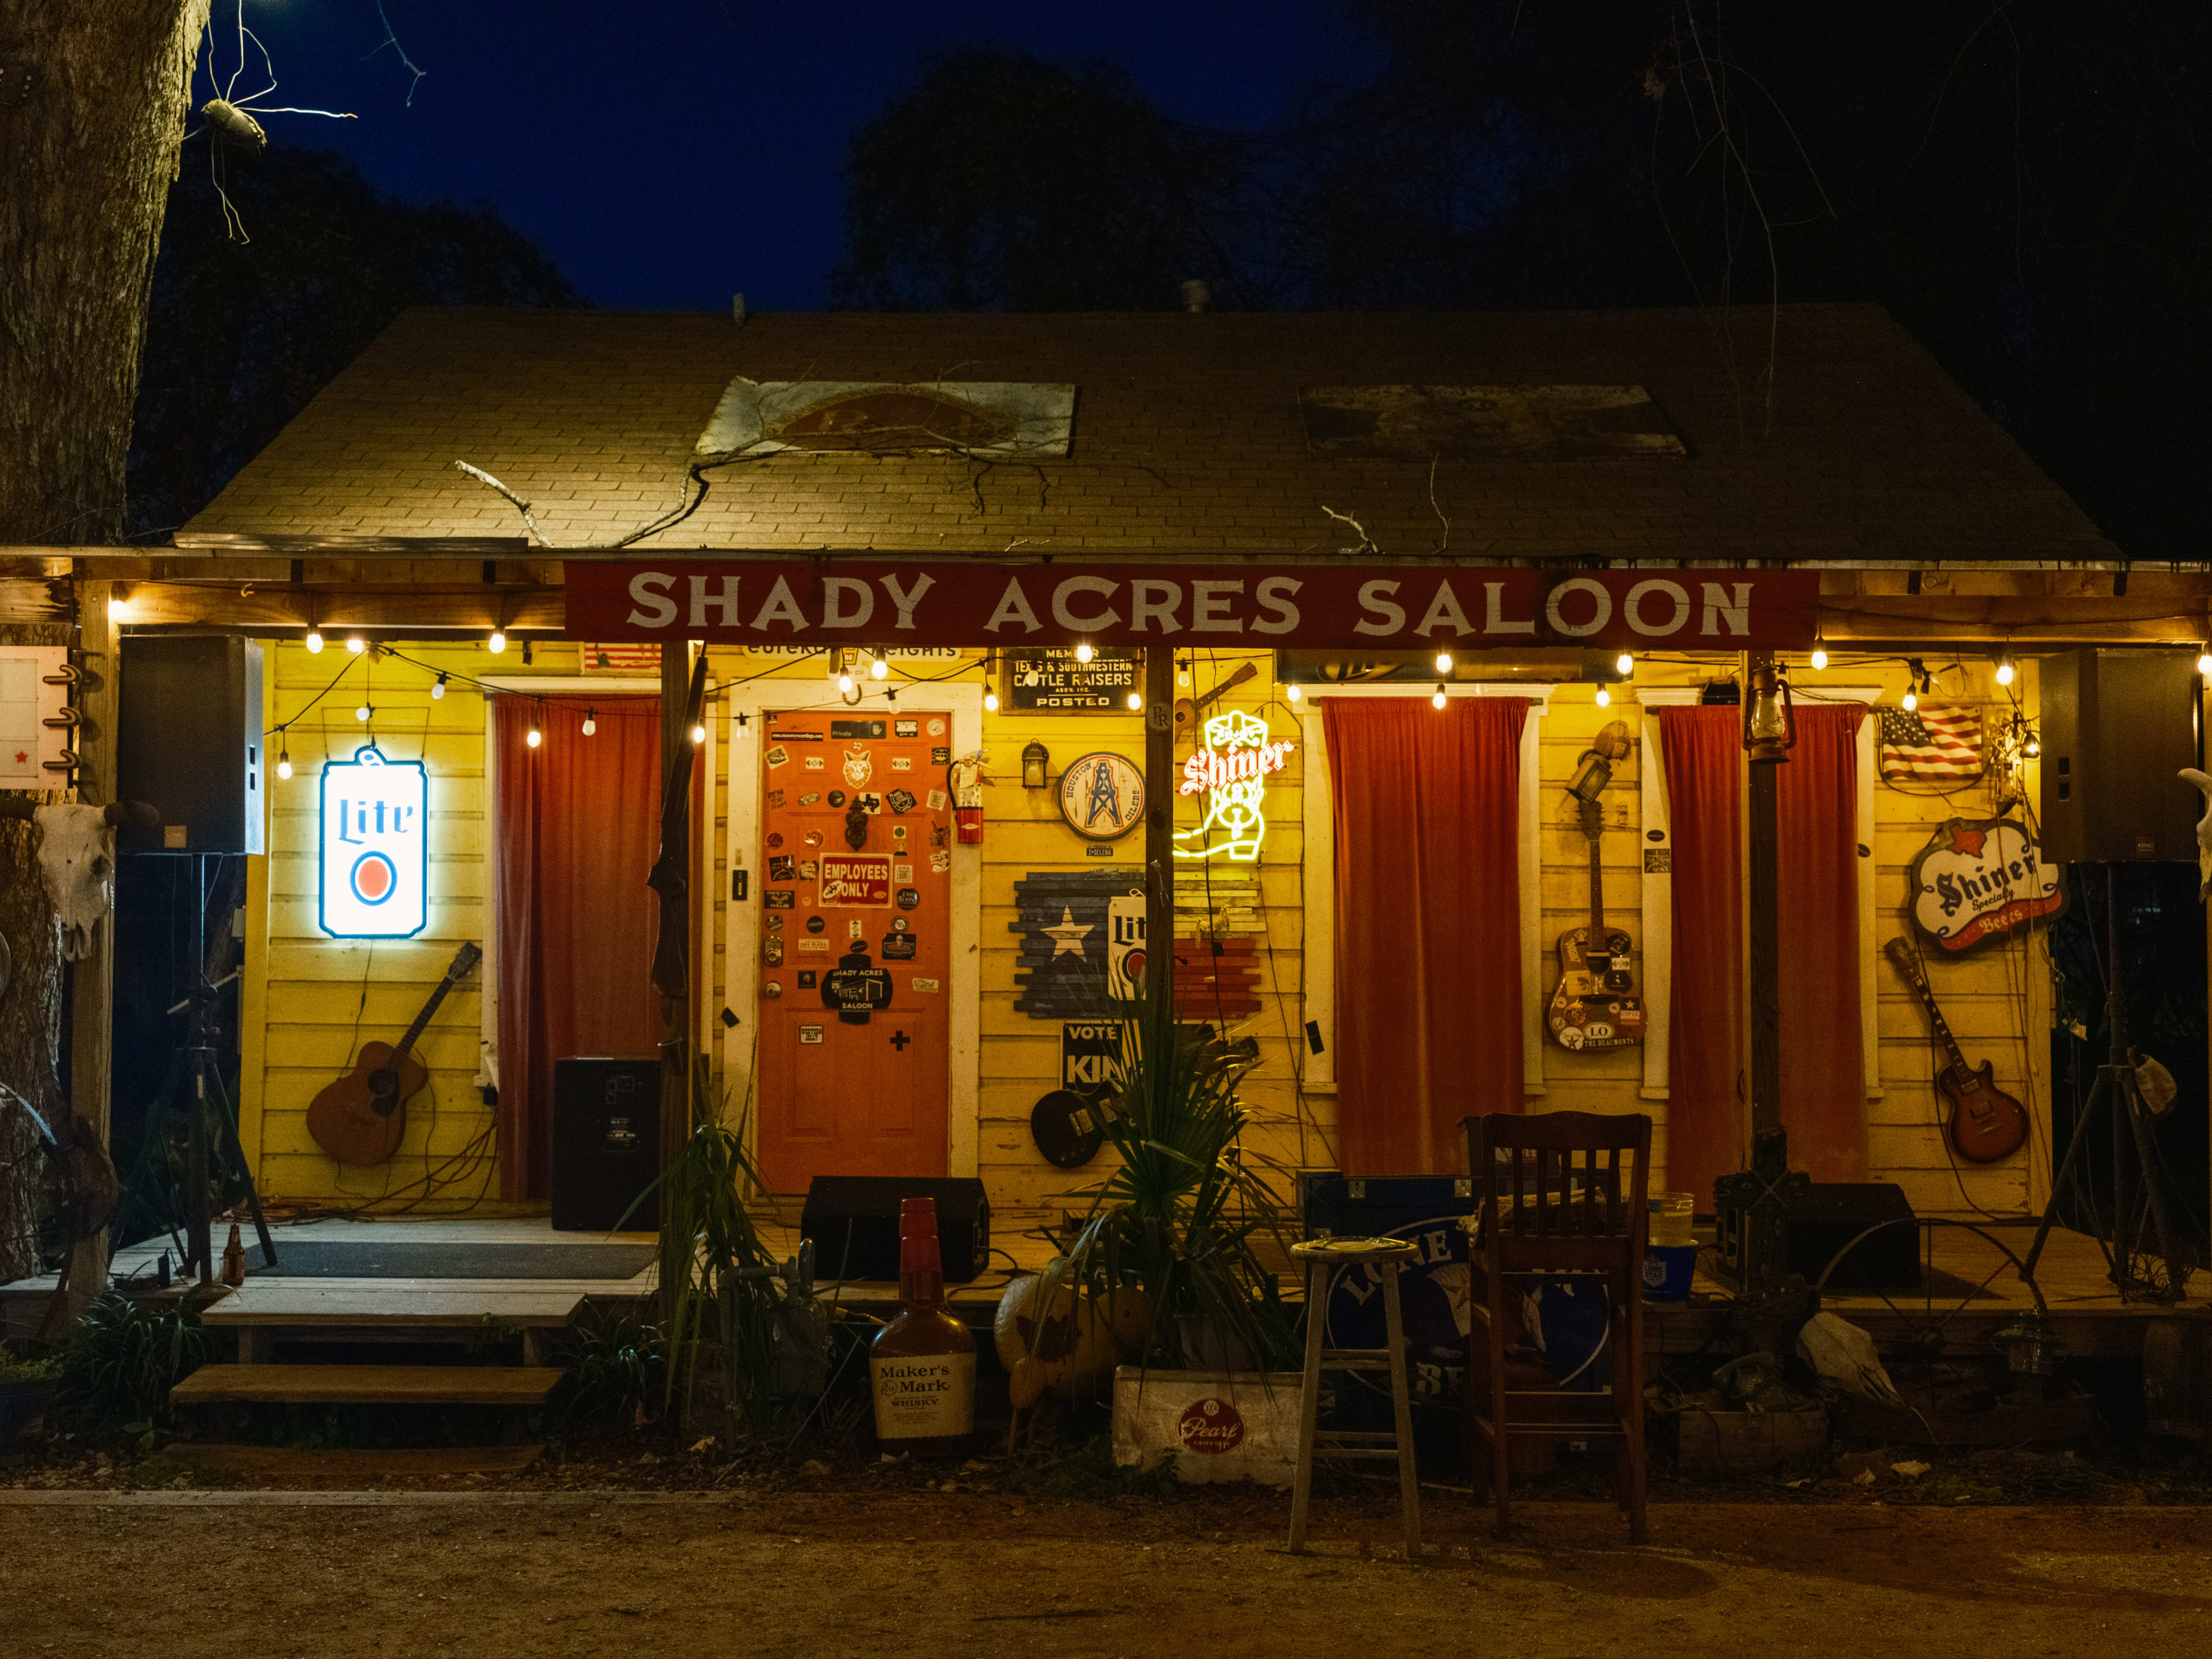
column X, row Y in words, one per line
column 1593, row 514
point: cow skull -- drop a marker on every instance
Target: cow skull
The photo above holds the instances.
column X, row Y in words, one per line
column 76, row 856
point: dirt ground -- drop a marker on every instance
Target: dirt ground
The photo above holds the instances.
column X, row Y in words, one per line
column 508, row 1572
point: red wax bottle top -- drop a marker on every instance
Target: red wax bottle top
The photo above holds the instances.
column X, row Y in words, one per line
column 921, row 1266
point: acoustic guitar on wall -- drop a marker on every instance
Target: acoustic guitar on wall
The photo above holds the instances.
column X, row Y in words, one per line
column 360, row 1119
column 1595, row 1005
column 1188, row 709
column 1986, row 1123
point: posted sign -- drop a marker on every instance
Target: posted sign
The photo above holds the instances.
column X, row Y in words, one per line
column 757, row 602
column 371, row 870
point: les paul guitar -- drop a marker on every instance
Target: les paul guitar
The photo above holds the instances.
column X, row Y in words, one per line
column 1986, row 1123
column 360, row 1118
column 1597, row 1005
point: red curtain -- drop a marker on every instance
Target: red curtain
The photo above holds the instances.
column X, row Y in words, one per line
column 1816, row 827
column 1428, row 925
column 1708, row 1123
column 578, row 822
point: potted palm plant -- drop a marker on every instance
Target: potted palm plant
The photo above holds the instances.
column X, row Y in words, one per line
column 1165, row 1258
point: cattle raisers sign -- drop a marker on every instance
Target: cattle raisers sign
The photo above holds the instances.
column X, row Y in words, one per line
column 370, row 871
column 1324, row 606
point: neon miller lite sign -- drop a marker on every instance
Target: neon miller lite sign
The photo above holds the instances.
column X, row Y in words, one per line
column 370, row 872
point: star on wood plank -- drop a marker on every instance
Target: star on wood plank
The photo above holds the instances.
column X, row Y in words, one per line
column 1068, row 938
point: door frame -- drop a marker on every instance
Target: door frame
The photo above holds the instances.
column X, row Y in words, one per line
column 741, row 933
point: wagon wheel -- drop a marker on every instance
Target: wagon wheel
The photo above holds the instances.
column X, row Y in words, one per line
column 1926, row 1326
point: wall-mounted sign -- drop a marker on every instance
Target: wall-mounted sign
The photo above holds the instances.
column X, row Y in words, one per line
column 1341, row 607
column 862, row 882
column 370, row 873
column 1231, row 771
column 1101, row 796
column 1049, row 680
column 1125, row 947
column 1978, row 880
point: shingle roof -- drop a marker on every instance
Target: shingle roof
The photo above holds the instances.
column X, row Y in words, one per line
column 1188, row 439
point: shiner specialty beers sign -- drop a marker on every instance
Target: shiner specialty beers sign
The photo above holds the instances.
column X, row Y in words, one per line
column 868, row 602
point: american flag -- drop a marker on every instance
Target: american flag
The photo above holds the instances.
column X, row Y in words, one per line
column 1933, row 743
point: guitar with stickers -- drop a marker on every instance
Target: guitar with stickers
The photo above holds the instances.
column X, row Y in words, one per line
column 1595, row 1005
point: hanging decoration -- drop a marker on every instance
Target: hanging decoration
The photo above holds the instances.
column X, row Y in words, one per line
column 1978, row 880
column 1101, row 796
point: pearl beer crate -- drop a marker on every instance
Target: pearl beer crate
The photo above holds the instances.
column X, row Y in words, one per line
column 1217, row 1426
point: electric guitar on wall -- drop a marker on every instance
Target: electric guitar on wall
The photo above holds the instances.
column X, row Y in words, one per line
column 1597, row 1005
column 360, row 1119
column 1986, row 1123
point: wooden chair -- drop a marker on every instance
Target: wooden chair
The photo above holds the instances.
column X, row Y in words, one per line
column 1556, row 1201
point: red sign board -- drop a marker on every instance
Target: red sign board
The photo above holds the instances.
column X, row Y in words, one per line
column 853, row 883
column 1331, row 607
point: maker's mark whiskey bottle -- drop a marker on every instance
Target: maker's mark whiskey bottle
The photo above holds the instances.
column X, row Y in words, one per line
column 922, row 1365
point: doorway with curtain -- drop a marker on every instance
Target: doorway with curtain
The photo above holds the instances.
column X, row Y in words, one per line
column 575, row 820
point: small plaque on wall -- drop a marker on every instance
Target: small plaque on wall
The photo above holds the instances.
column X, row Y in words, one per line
column 1049, row 680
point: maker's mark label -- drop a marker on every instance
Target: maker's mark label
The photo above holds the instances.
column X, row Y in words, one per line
column 922, row 1397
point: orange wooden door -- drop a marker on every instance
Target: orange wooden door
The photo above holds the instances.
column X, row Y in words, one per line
column 855, row 856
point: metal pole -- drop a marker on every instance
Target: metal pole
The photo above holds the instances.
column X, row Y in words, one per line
column 1159, row 809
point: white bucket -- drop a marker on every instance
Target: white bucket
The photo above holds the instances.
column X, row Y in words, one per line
column 1217, row 1426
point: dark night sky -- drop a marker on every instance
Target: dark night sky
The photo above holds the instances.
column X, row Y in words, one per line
column 669, row 152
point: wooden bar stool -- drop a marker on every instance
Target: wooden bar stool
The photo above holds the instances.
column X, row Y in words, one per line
column 1322, row 1257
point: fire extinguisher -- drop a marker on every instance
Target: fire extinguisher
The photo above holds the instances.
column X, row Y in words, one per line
column 964, row 782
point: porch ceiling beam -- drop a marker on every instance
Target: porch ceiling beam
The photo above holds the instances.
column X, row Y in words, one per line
column 474, row 609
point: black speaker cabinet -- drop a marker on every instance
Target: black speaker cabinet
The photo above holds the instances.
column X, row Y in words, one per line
column 190, row 742
column 606, row 1142
column 2116, row 726
column 1824, row 1216
column 853, row 1222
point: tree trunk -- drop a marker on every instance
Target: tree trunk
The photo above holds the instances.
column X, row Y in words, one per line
column 94, row 97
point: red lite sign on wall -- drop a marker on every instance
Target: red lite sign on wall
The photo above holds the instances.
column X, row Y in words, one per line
column 844, row 601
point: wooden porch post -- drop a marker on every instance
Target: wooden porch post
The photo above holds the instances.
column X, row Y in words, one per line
column 1159, row 806
column 675, row 853
column 92, row 991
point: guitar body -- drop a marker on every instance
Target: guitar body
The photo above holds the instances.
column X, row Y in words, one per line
column 1188, row 709
column 359, row 1119
column 1595, row 1005
column 1987, row 1124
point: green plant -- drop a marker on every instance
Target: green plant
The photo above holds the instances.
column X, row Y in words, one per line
column 124, row 1356
column 719, row 1283
column 1177, row 1219
column 614, row 1366
column 15, row 1368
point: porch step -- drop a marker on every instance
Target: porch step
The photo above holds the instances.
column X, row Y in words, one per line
column 369, row 1385
column 386, row 1302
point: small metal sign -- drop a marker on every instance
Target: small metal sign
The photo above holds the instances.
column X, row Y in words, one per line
column 1978, row 880
column 1049, row 680
column 1101, row 796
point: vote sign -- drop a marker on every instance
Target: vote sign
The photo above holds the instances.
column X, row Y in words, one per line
column 371, row 865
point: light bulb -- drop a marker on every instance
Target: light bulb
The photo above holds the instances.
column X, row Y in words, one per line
column 1438, row 702
column 361, row 713
column 2204, row 661
column 591, row 721
column 990, row 703
column 1444, row 662
column 314, row 639
column 283, row 766
column 1911, row 700
column 1136, row 701
column 497, row 642
column 844, row 679
column 1819, row 656
column 1626, row 663
column 2004, row 669
column 116, row 607
column 1292, row 692
column 1604, row 698
column 878, row 668
column 1084, row 652
column 533, row 736
column 2032, row 748
column 438, row 689
column 698, row 734
column 355, row 644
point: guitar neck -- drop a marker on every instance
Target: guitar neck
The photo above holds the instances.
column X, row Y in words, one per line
column 1597, row 897
column 406, row 1045
column 1951, row 1050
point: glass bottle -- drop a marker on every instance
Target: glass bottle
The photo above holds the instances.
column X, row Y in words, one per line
column 921, row 1368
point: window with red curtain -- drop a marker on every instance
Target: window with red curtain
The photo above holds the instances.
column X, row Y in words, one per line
column 577, row 823
column 1816, row 828
column 1428, row 925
